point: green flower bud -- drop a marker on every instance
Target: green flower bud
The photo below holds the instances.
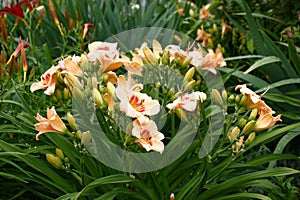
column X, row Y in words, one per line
column 224, row 95
column 111, row 89
column 243, row 100
column 190, row 85
column 242, row 123
column 216, row 96
column 248, row 127
column 237, row 98
column 71, row 121
column 234, row 134
column 231, row 98
column 181, row 114
column 165, row 59
column 253, row 114
column 66, row 94
column 150, row 55
column 97, row 97
column 58, row 94
column 186, row 62
column 55, row 161
column 250, row 139
column 59, row 153
column 189, row 74
column 77, row 93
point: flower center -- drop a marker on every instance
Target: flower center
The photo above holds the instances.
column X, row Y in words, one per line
column 137, row 103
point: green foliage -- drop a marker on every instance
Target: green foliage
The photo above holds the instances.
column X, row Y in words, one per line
column 260, row 48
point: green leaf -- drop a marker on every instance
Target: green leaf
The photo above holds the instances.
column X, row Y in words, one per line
column 280, row 83
column 283, row 99
column 283, row 142
column 271, row 157
column 294, row 56
column 117, row 178
column 243, row 196
column 271, row 135
column 236, row 183
column 262, row 62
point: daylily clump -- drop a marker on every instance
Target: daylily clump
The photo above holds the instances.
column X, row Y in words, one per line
column 126, row 94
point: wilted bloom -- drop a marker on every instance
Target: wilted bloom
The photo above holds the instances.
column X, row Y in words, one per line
column 48, row 81
column 85, row 29
column 225, row 28
column 71, row 64
column 106, row 53
column 187, row 101
column 213, row 60
column 148, row 135
column 253, row 100
column 134, row 103
column 266, row 121
column 17, row 51
column 239, row 144
column 52, row 123
column 204, row 13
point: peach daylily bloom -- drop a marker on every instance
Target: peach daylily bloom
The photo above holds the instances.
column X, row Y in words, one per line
column 253, row 100
column 134, row 103
column 213, row 60
column 134, row 66
column 48, row 81
column 266, row 121
column 52, row 123
column 204, row 13
column 148, row 135
column 203, row 35
column 106, row 53
column 71, row 65
column 225, row 28
column 187, row 101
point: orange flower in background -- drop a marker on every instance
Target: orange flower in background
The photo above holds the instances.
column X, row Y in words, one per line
column 52, row 123
column 266, row 121
column 203, row 35
column 106, row 53
column 204, row 14
column 148, row 135
column 187, row 101
column 253, row 100
column 213, row 60
column 225, row 28
column 48, row 81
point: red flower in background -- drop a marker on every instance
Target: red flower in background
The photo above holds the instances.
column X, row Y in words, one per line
column 17, row 10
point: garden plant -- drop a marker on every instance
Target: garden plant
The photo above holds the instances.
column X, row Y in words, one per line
column 104, row 99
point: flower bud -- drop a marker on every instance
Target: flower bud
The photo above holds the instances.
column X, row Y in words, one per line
column 149, row 55
column 172, row 196
column 248, row 127
column 186, row 61
column 234, row 134
column 55, row 161
column 86, row 138
column 59, row 153
column 165, row 59
column 253, row 114
column 66, row 94
column 216, row 96
column 181, row 114
column 189, row 86
column 224, row 95
column 243, row 100
column 171, row 92
column 58, row 94
column 77, row 93
column 250, row 139
column 189, row 74
column 71, row 121
column 97, row 97
column 231, row 98
column 237, row 98
column 111, row 89
column 94, row 82
column 239, row 144
column 242, row 123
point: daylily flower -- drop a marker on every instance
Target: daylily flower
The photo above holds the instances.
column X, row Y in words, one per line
column 52, row 123
column 16, row 10
column 176, row 52
column 225, row 28
column 203, row 35
column 253, row 100
column 85, row 29
column 151, row 56
column 106, row 53
column 213, row 60
column 204, row 13
column 70, row 64
column 48, row 81
column 266, row 121
column 134, row 66
column 148, row 135
column 187, row 101
column 134, row 103
column 17, row 51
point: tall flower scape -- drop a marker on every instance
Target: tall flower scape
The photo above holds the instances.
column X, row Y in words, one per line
column 113, row 81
